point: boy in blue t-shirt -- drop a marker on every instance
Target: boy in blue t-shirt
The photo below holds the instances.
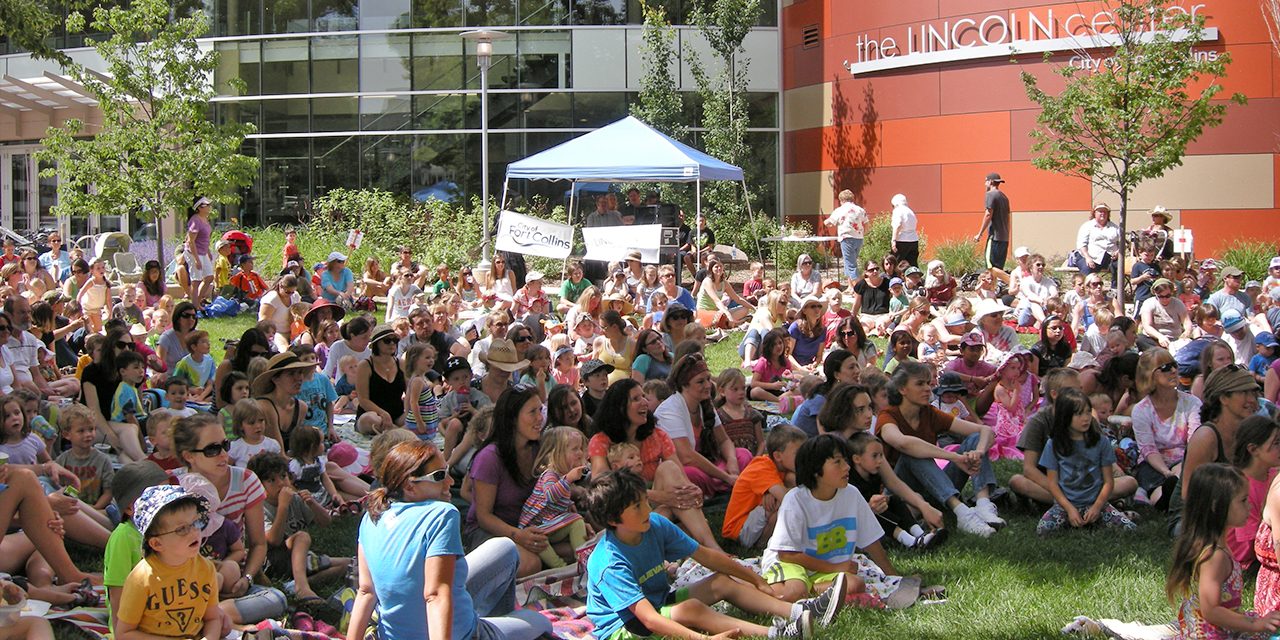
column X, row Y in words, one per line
column 1266, row 349
column 125, row 405
column 627, row 591
column 318, row 392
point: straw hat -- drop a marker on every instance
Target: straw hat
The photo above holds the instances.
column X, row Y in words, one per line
column 988, row 307
column 813, row 300
column 502, row 355
column 265, row 382
column 627, row 307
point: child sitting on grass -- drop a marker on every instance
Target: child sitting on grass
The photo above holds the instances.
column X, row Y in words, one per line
column 753, row 506
column 872, row 475
column 250, row 427
column 1203, row 574
column 93, row 467
column 289, row 513
column 628, row 594
column 158, row 433
column 1078, row 461
column 124, row 547
column 172, row 592
column 176, row 394
column 197, row 367
column 821, row 523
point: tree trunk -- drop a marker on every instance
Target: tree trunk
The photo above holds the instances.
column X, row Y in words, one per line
column 1121, row 273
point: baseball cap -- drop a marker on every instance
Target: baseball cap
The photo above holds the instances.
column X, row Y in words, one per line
column 1266, row 339
column 956, row 319
column 895, row 282
column 132, row 479
column 1230, row 271
column 972, row 339
column 1021, row 251
column 1252, row 283
column 1275, row 263
column 994, row 177
column 912, row 271
column 244, row 259
column 455, row 364
column 593, row 365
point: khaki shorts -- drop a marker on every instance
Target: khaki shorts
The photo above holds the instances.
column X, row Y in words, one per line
column 752, row 527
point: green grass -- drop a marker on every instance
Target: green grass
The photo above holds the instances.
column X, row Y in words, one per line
column 1012, row 585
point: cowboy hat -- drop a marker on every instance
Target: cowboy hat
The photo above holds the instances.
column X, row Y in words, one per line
column 627, row 307
column 281, row 362
column 502, row 355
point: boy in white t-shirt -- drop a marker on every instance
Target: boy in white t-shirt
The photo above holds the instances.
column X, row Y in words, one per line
column 821, row 523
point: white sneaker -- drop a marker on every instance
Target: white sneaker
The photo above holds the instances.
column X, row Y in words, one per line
column 972, row 523
column 988, row 514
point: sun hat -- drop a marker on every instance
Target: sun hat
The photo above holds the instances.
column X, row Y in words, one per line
column 994, row 177
column 323, row 303
column 1159, row 210
column 382, row 331
column 153, row 499
column 503, row 355
column 1266, row 339
column 972, row 339
column 456, row 363
column 197, row 484
column 1082, row 360
column 634, row 255
column 281, row 362
column 1102, row 206
column 593, row 365
column 1161, row 282
column 343, row 454
column 675, row 308
column 627, row 307
column 222, row 242
column 335, row 257
column 813, row 300
column 532, row 275
column 132, row 479
column 138, row 330
column 1229, row 380
column 1232, row 321
column 949, row 382
column 201, row 201
column 956, row 319
column 987, row 307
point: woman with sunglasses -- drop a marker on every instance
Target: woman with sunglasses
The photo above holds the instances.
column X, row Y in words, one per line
column 500, row 285
column 806, row 281
column 201, row 444
column 380, row 385
column 98, row 384
column 252, row 344
column 56, row 261
column 618, row 349
column 847, row 334
column 37, row 279
column 1162, row 422
column 467, row 594
column 172, row 344
column 79, row 276
column 652, row 361
column 1165, row 319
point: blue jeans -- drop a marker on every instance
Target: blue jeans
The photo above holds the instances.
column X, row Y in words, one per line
column 938, row 485
column 849, row 249
column 752, row 338
column 491, row 582
column 1107, row 264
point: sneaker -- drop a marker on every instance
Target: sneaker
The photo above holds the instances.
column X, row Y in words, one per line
column 988, row 514
column 825, row 607
column 972, row 523
column 801, row 627
column 932, row 539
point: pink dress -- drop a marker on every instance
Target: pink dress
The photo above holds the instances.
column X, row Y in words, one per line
column 1191, row 623
column 1266, row 596
column 1008, row 427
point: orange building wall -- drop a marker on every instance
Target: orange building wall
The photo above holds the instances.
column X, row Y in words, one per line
column 934, row 132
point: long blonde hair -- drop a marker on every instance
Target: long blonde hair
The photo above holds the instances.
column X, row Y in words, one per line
column 553, row 446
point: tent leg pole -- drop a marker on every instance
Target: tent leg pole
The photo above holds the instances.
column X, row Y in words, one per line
column 568, row 219
column 751, row 218
column 697, row 243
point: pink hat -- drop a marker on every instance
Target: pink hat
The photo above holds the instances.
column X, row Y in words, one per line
column 343, row 454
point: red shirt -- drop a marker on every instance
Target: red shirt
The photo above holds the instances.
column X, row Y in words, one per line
column 250, row 283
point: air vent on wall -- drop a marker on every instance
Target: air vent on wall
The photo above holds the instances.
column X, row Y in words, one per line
column 811, row 36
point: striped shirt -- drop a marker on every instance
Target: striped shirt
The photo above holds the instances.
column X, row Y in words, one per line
column 245, row 491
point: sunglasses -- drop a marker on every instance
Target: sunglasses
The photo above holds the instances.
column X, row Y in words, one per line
column 806, row 263
column 258, row 352
column 435, row 476
column 29, row 259
column 873, row 269
column 1167, row 367
column 215, row 449
column 124, row 345
column 1095, row 284
column 848, row 333
column 1165, row 296
column 185, row 529
column 523, row 339
column 190, row 315
column 4, row 328
column 388, row 340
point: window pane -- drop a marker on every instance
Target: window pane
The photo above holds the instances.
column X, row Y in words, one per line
column 384, row 14
column 598, row 109
column 537, row 12
column 445, row 112
column 599, row 12
column 286, row 116
column 336, row 164
column 438, row 63
column 544, row 59
column 548, row 110
column 335, row 64
column 237, row 17
column 491, row 13
column 334, row 15
column 238, row 60
column 286, row 167
column 390, row 113
column 384, row 63
column 335, row 114
column 387, row 163
column 284, row 66
column 284, row 16
column 762, row 109
column 437, row 13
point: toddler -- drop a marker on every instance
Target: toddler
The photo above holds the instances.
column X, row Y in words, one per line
column 948, row 395
column 565, row 369
column 159, row 434
column 624, row 455
column 250, row 427
column 539, row 373
column 221, row 540
column 422, row 409
column 346, row 402
column 741, row 422
column 93, row 467
column 175, row 393
column 550, row 511
column 128, row 308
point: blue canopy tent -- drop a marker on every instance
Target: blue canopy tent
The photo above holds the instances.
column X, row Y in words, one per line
column 626, row 151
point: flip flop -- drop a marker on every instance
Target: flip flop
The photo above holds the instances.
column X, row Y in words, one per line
column 906, row 595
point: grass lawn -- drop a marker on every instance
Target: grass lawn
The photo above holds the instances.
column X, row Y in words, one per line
column 1012, row 585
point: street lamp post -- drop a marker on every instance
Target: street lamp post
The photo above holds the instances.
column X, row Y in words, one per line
column 484, row 59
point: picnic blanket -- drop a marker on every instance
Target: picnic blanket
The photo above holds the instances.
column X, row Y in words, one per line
column 1086, row 626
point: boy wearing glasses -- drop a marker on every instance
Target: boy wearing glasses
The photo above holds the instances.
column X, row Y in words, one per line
column 173, row 591
column 289, row 513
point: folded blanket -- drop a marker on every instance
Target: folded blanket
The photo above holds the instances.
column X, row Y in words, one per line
column 1086, row 626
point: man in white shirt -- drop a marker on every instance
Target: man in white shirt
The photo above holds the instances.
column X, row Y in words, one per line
column 850, row 222
column 29, row 352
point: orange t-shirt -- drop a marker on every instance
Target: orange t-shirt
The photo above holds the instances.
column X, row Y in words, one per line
column 748, row 492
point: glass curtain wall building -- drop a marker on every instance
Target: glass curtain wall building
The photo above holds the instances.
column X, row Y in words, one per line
column 385, row 94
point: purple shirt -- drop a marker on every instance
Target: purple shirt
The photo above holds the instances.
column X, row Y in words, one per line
column 510, row 497
column 981, row 369
column 201, row 228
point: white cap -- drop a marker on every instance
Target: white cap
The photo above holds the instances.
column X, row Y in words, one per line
column 1020, row 252
column 1275, row 262
column 336, row 257
column 533, row 275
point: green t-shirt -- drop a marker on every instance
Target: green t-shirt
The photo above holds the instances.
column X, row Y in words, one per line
column 898, row 303
column 570, row 291
column 439, row 287
column 123, row 553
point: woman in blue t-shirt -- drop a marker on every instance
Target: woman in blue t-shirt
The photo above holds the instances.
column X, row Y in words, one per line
column 337, row 285
column 415, row 532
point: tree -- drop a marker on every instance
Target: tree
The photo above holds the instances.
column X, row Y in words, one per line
column 157, row 147
column 725, row 24
column 660, row 105
column 1131, row 118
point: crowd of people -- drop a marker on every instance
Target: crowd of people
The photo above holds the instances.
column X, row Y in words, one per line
column 514, row 430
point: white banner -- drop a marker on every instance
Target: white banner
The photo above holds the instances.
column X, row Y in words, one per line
column 531, row 236
column 613, row 243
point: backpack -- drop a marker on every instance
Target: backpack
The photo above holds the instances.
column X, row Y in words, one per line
column 1188, row 357
column 221, row 308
